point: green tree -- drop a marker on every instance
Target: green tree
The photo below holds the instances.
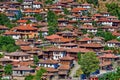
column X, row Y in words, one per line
column 111, row 75
column 49, row 1
column 79, row 57
column 52, row 22
column 29, row 77
column 8, row 44
column 89, row 63
column 40, row 35
column 8, row 69
column 66, row 11
column 95, row 2
column 39, row 74
column 21, row 1
column 114, row 9
column 35, row 59
column 106, row 35
column 38, row 17
column 4, row 19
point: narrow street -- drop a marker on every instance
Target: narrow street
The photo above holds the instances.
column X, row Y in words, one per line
column 73, row 71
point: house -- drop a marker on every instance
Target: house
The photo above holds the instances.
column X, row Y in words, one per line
column 11, row 16
column 3, row 28
column 117, row 34
column 107, row 59
column 14, row 35
column 17, row 13
column 3, row 8
column 84, row 40
column 106, row 14
column 109, row 28
column 51, row 73
column 5, row 61
column 73, row 52
column 67, row 60
column 79, row 11
column 93, row 46
column 105, row 21
column 18, row 56
column 48, row 63
column 25, row 48
column 21, row 22
column 44, row 31
column 31, row 11
column 68, row 45
column 86, row 5
column 37, row 5
column 98, row 40
column 63, row 71
column 29, row 18
column 89, row 29
column 27, row 30
column 54, row 53
column 113, row 43
column 62, row 21
column 67, row 34
column 22, row 71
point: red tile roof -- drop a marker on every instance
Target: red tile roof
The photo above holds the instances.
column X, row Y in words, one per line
column 68, row 58
column 21, row 21
column 27, row 27
column 64, row 67
column 54, row 36
column 78, row 9
column 76, row 50
column 48, row 61
column 109, row 55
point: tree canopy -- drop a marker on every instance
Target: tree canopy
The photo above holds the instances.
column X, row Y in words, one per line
column 111, row 75
column 4, row 20
column 35, row 59
column 8, row 69
column 39, row 74
column 52, row 22
column 7, row 44
column 106, row 35
column 95, row 2
column 89, row 63
column 49, row 1
column 114, row 9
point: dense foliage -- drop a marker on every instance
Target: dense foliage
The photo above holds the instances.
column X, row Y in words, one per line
column 8, row 69
column 95, row 2
column 111, row 75
column 7, row 44
column 106, row 35
column 49, row 1
column 39, row 74
column 114, row 9
column 52, row 22
column 29, row 77
column 35, row 59
column 5, row 21
column 89, row 63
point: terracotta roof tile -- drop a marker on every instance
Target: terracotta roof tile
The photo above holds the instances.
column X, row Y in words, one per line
column 109, row 55
column 54, row 36
column 48, row 61
column 67, row 58
column 64, row 67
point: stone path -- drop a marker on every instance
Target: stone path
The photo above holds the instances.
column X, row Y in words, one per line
column 73, row 71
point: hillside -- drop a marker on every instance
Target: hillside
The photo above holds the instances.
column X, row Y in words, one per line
column 102, row 3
